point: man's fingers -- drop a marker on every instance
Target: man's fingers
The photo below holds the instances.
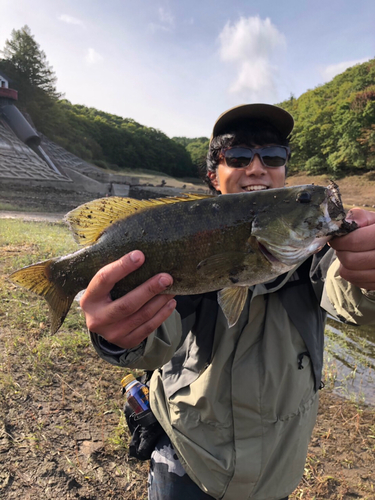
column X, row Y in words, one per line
column 361, row 217
column 361, row 278
column 360, row 240
column 130, row 319
column 146, row 326
column 357, row 261
column 105, row 279
column 356, row 250
column 133, row 301
column 129, row 311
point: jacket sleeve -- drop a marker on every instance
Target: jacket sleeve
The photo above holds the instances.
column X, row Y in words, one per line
column 347, row 302
column 152, row 353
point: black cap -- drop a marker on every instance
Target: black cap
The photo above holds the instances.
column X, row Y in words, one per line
column 278, row 117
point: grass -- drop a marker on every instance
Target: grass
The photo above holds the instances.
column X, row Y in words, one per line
column 349, row 361
column 9, row 207
column 20, row 207
column 26, row 315
column 48, row 239
column 21, row 244
column 66, row 385
column 340, row 460
column 53, row 387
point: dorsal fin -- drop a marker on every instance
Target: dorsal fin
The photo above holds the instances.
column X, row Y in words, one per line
column 88, row 221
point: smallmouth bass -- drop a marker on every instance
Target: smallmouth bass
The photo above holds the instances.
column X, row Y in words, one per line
column 207, row 243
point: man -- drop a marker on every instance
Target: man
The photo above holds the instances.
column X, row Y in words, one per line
column 238, row 404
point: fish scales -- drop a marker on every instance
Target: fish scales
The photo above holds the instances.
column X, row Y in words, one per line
column 202, row 234
column 224, row 243
column 179, row 247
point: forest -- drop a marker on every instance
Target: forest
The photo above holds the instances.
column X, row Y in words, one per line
column 334, row 130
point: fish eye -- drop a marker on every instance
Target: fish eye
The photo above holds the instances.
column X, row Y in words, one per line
column 304, row 197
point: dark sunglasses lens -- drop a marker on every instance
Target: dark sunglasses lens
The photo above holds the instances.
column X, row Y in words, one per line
column 274, row 156
column 238, row 157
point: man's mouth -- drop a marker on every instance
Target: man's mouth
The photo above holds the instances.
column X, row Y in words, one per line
column 256, row 187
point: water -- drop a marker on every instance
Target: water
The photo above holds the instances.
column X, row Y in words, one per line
column 349, row 361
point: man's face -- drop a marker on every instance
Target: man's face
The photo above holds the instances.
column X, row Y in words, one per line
column 252, row 178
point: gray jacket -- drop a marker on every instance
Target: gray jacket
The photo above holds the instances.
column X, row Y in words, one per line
column 239, row 404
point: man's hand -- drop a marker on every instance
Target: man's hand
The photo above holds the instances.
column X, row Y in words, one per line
column 356, row 250
column 127, row 321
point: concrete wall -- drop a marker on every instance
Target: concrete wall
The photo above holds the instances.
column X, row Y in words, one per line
column 84, row 183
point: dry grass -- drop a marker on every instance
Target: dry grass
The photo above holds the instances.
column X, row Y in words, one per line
column 356, row 190
column 341, row 456
column 62, row 431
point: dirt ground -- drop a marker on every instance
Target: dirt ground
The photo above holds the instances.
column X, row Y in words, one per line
column 66, row 439
column 357, row 190
column 63, row 435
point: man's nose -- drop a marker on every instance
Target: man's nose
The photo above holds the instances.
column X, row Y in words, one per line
column 256, row 166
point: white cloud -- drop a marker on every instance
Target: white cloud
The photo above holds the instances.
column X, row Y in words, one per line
column 158, row 27
column 250, row 45
column 93, row 57
column 166, row 21
column 332, row 70
column 70, row 20
column 166, row 17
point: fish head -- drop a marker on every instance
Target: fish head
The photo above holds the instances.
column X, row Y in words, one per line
column 298, row 222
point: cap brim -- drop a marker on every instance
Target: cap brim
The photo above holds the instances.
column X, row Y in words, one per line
column 278, row 117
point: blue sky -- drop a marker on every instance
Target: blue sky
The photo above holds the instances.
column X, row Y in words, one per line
column 176, row 65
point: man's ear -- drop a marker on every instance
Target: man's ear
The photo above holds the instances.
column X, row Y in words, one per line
column 214, row 180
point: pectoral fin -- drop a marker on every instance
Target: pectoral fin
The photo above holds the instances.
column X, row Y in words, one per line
column 232, row 301
column 223, row 264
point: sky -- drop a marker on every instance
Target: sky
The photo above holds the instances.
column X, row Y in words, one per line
column 177, row 65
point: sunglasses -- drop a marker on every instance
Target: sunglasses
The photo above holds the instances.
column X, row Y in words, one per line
column 270, row 156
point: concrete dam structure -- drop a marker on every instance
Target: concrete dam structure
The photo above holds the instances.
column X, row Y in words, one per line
column 38, row 170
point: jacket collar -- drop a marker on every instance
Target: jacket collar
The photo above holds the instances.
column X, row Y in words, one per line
column 275, row 284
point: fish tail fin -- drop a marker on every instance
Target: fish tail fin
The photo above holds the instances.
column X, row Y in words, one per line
column 37, row 279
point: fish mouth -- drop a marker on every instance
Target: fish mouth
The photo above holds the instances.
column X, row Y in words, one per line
column 268, row 255
column 337, row 213
column 335, row 206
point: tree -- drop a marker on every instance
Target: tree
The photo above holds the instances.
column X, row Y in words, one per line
column 334, row 129
column 26, row 63
column 197, row 149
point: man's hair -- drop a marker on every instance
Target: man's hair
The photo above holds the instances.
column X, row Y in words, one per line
column 242, row 132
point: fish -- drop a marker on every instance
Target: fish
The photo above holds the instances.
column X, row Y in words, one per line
column 207, row 243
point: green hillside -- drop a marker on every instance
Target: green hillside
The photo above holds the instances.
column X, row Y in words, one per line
column 334, row 123
column 106, row 140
